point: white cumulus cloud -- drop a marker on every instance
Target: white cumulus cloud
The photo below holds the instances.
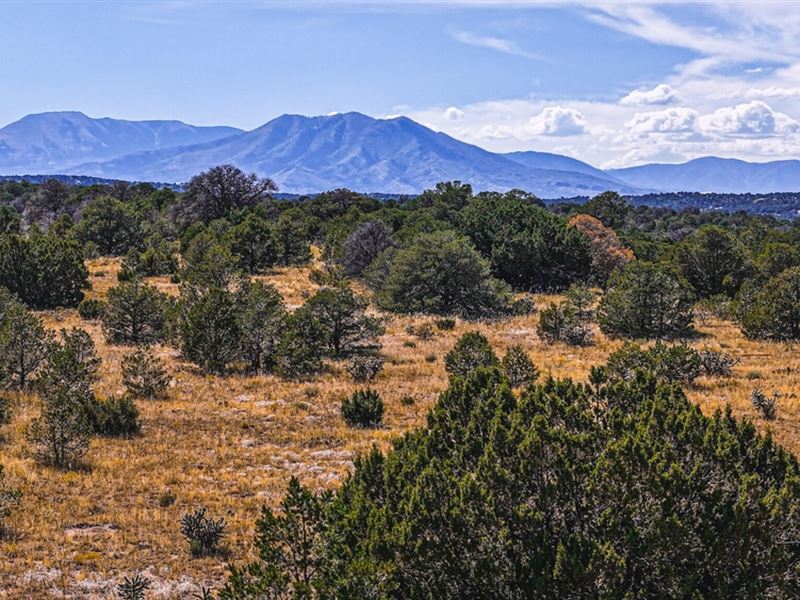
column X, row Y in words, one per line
column 754, row 118
column 453, row 113
column 670, row 120
column 558, row 121
column 663, row 93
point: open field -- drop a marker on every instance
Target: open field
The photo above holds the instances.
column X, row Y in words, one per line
column 231, row 444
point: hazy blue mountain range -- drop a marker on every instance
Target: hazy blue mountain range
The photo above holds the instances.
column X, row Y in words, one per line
column 309, row 154
column 557, row 162
column 711, row 174
column 56, row 142
column 312, row 154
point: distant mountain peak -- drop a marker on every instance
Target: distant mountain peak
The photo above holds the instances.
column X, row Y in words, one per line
column 392, row 155
column 715, row 174
column 54, row 142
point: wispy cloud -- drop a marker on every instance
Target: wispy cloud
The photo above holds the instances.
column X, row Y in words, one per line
column 497, row 44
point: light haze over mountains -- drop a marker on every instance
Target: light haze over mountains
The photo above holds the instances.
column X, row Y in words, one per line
column 312, row 154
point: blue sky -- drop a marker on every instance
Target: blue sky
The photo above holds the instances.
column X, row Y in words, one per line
column 614, row 84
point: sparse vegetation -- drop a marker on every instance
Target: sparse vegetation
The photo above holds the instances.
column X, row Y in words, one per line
column 471, row 352
column 203, row 533
column 568, row 321
column 364, row 369
column 767, row 406
column 716, row 363
column 364, row 408
column 9, row 499
column 144, row 375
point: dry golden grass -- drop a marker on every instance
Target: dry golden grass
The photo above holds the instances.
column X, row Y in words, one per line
column 231, row 444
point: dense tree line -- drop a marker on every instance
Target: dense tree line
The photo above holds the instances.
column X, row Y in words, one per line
column 448, row 251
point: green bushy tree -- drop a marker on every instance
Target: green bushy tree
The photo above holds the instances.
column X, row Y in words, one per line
column 497, row 497
column 673, row 363
column 291, row 243
column 24, row 344
column 713, row 261
column 208, row 262
column 61, row 434
column 261, row 314
column 159, row 257
column 773, row 311
column 441, row 273
column 144, row 374
column 645, row 300
column 302, row 346
column 253, row 242
column 471, row 351
column 210, row 331
column 363, row 408
column 291, row 549
column 44, row 270
column 111, row 225
column 134, row 314
column 528, row 247
column 518, row 367
column 345, row 326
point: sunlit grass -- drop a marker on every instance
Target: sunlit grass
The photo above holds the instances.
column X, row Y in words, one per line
column 231, row 444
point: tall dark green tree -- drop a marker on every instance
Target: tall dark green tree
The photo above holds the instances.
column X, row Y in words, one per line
column 210, row 329
column 44, row 270
column 261, row 314
column 611, row 208
column 61, row 434
column 529, row 247
column 209, row 262
column 713, row 261
column 111, row 224
column 442, row 273
column 291, row 243
column 24, row 344
column 253, row 242
column 773, row 311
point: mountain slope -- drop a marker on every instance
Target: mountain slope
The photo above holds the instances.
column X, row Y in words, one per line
column 556, row 162
column 55, row 141
column 711, row 174
column 310, row 154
